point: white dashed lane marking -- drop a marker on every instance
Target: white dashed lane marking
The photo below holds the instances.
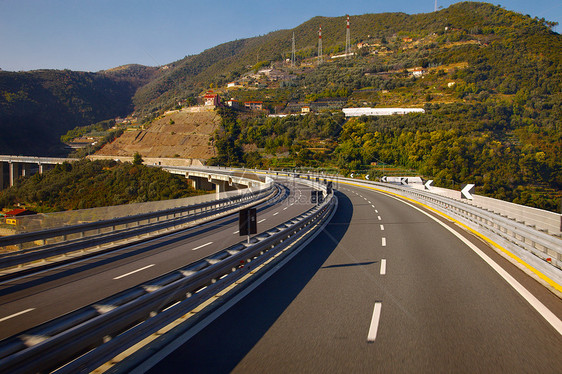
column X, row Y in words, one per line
column 16, row 314
column 133, row 272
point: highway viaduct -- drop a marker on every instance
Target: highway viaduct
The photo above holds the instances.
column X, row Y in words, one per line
column 14, row 167
column 388, row 286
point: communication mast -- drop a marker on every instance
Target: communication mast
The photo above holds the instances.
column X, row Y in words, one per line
column 320, row 58
column 435, row 6
column 293, row 52
column 347, row 40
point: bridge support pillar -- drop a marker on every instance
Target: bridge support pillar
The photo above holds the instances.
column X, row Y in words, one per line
column 14, row 172
column 26, row 170
column 200, row 183
column 192, row 183
column 220, row 186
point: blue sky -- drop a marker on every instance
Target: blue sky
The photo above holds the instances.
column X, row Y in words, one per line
column 92, row 35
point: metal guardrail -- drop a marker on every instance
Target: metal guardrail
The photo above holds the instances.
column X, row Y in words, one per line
column 59, row 241
column 541, row 244
column 93, row 335
column 44, row 221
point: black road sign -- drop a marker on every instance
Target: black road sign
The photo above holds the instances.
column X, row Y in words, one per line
column 247, row 222
column 313, row 197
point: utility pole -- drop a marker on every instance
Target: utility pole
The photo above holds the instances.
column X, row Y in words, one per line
column 347, row 39
column 293, row 52
column 320, row 59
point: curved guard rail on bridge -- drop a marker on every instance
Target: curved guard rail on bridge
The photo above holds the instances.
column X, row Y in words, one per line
column 514, row 234
column 32, row 246
column 100, row 331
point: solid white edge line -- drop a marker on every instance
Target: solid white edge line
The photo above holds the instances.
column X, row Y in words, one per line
column 201, row 246
column 374, row 322
column 16, row 314
column 383, row 266
column 383, row 242
column 529, row 297
column 134, row 271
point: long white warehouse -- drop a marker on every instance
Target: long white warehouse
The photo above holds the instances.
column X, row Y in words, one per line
column 357, row 112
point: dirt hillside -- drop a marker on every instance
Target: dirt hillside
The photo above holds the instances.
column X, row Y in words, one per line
column 179, row 134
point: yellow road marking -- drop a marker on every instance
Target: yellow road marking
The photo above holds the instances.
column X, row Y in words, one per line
column 542, row 276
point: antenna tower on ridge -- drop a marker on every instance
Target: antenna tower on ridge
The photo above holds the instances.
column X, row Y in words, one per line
column 435, row 6
column 293, row 52
column 347, row 40
column 320, row 59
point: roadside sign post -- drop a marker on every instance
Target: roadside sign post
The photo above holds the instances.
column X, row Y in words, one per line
column 313, row 196
column 247, row 222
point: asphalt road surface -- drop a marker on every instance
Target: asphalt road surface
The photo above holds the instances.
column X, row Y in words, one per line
column 37, row 298
column 384, row 288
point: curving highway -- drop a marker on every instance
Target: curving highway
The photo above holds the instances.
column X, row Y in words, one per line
column 386, row 287
column 30, row 300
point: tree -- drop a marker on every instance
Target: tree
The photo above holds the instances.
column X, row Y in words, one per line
column 137, row 159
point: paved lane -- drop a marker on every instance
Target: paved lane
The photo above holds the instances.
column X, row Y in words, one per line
column 35, row 299
column 418, row 301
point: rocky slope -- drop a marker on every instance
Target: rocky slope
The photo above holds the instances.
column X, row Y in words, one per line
column 178, row 134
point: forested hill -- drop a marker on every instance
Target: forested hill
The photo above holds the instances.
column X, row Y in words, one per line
column 490, row 80
column 468, row 21
column 37, row 107
column 90, row 184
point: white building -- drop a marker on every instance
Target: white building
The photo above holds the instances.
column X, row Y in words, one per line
column 357, row 112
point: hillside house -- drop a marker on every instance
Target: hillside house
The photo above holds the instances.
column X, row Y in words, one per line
column 233, row 103
column 211, row 100
column 418, row 72
column 254, row 105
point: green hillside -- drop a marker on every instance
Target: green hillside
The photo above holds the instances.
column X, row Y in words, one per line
column 90, row 184
column 434, row 36
column 490, row 80
column 491, row 87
